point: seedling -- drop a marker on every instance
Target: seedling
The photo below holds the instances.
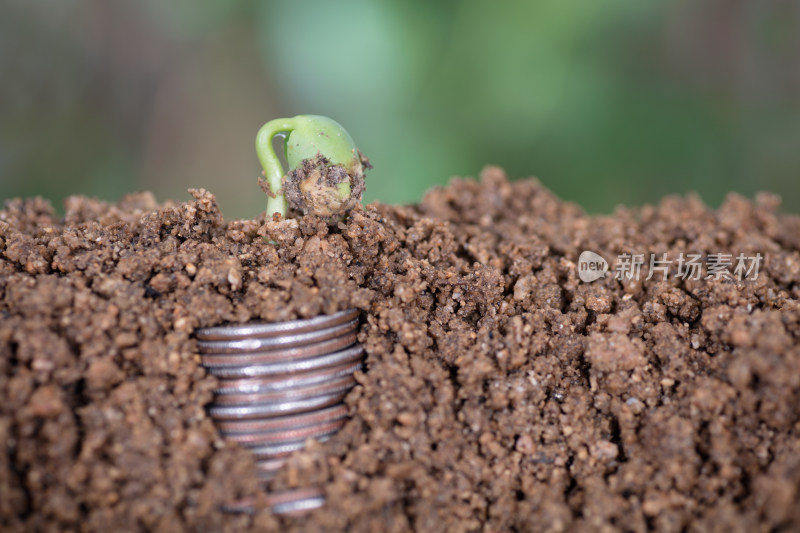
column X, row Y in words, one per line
column 326, row 170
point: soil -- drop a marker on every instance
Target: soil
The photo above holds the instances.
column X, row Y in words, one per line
column 314, row 187
column 500, row 392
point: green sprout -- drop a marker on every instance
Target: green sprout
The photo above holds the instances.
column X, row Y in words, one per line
column 326, row 176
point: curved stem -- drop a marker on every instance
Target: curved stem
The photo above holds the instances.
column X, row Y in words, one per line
column 271, row 163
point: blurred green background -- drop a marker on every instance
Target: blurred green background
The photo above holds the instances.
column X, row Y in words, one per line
column 615, row 102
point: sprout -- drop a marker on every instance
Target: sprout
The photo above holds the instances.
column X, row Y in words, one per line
column 326, row 176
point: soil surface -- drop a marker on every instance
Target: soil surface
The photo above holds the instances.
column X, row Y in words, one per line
column 500, row 392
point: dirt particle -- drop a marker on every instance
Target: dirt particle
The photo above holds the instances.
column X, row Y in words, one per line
column 525, row 444
column 102, row 374
column 46, row 402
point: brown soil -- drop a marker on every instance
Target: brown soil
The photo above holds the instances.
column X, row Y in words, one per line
column 501, row 393
column 312, row 188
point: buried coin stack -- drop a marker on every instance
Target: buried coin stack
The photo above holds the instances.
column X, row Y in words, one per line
column 280, row 384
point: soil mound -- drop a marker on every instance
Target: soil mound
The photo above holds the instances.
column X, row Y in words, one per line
column 500, row 393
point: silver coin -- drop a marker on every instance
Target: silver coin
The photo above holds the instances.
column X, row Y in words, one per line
column 267, row 469
column 285, row 449
column 274, row 329
column 272, row 356
column 288, row 435
column 291, row 381
column 270, row 343
column 352, row 354
column 298, row 506
column 261, row 425
column 293, row 501
column 237, row 412
column 296, row 393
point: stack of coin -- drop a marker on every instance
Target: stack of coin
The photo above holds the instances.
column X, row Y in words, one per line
column 280, row 384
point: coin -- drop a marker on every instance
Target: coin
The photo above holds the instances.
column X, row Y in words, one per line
column 237, row 412
column 232, row 427
column 264, row 330
column 284, row 449
column 284, row 341
column 286, row 354
column 284, row 502
column 352, row 354
column 266, row 469
column 284, row 382
column 295, row 393
column 288, row 435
